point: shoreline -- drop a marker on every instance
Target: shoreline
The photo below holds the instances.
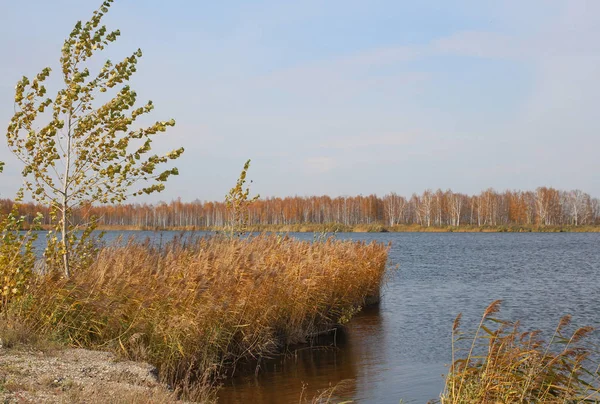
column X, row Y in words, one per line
column 375, row 228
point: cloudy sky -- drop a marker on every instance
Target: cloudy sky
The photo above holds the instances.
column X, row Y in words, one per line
column 346, row 97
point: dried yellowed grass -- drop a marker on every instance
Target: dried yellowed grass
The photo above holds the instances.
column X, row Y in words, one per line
column 195, row 308
column 334, row 394
column 506, row 365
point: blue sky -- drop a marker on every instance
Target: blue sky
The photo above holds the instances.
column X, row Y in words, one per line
column 346, row 97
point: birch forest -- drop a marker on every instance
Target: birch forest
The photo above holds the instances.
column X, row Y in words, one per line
column 545, row 206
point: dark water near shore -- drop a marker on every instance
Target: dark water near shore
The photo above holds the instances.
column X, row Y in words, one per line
column 398, row 350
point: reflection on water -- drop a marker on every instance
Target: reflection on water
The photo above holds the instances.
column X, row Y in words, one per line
column 398, row 349
column 312, row 368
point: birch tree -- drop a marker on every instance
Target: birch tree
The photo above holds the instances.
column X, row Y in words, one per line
column 426, row 207
column 394, row 206
column 456, row 203
column 576, row 204
column 76, row 151
column 238, row 203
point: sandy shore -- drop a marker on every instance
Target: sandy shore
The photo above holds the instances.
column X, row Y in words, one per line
column 76, row 376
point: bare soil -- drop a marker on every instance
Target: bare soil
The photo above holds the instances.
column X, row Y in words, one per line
column 77, row 376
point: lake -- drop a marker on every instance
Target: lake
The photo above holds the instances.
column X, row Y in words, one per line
column 399, row 349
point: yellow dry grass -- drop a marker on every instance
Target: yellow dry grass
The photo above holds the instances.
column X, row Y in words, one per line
column 506, row 365
column 195, row 308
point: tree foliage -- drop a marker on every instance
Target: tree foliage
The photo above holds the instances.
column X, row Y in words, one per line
column 85, row 152
column 17, row 256
column 238, row 202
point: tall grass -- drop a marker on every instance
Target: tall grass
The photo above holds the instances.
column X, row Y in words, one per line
column 195, row 308
column 505, row 365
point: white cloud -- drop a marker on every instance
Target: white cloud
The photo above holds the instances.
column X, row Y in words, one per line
column 348, row 75
column 368, row 141
column 320, row 164
column 480, row 44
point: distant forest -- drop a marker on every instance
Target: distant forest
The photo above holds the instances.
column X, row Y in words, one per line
column 543, row 207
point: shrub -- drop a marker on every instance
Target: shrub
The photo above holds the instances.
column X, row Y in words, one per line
column 17, row 258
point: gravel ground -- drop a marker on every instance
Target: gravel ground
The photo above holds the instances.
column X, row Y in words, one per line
column 76, row 376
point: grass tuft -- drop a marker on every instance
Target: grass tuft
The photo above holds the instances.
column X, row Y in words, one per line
column 505, row 365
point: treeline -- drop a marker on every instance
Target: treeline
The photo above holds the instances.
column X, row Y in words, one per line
column 543, row 207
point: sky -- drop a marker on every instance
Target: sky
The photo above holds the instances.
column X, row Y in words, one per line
column 344, row 97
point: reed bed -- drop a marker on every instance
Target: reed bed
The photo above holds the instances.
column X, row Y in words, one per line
column 197, row 307
column 505, row 365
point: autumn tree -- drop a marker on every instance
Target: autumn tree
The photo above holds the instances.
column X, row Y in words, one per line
column 394, row 206
column 85, row 151
column 456, row 204
column 576, row 203
column 425, row 207
column 238, row 201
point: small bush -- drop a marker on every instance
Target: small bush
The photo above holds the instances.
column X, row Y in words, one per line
column 17, row 259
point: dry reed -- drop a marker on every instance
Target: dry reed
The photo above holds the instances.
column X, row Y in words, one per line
column 506, row 365
column 332, row 395
column 194, row 308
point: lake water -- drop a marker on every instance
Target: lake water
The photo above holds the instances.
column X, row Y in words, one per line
column 399, row 349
